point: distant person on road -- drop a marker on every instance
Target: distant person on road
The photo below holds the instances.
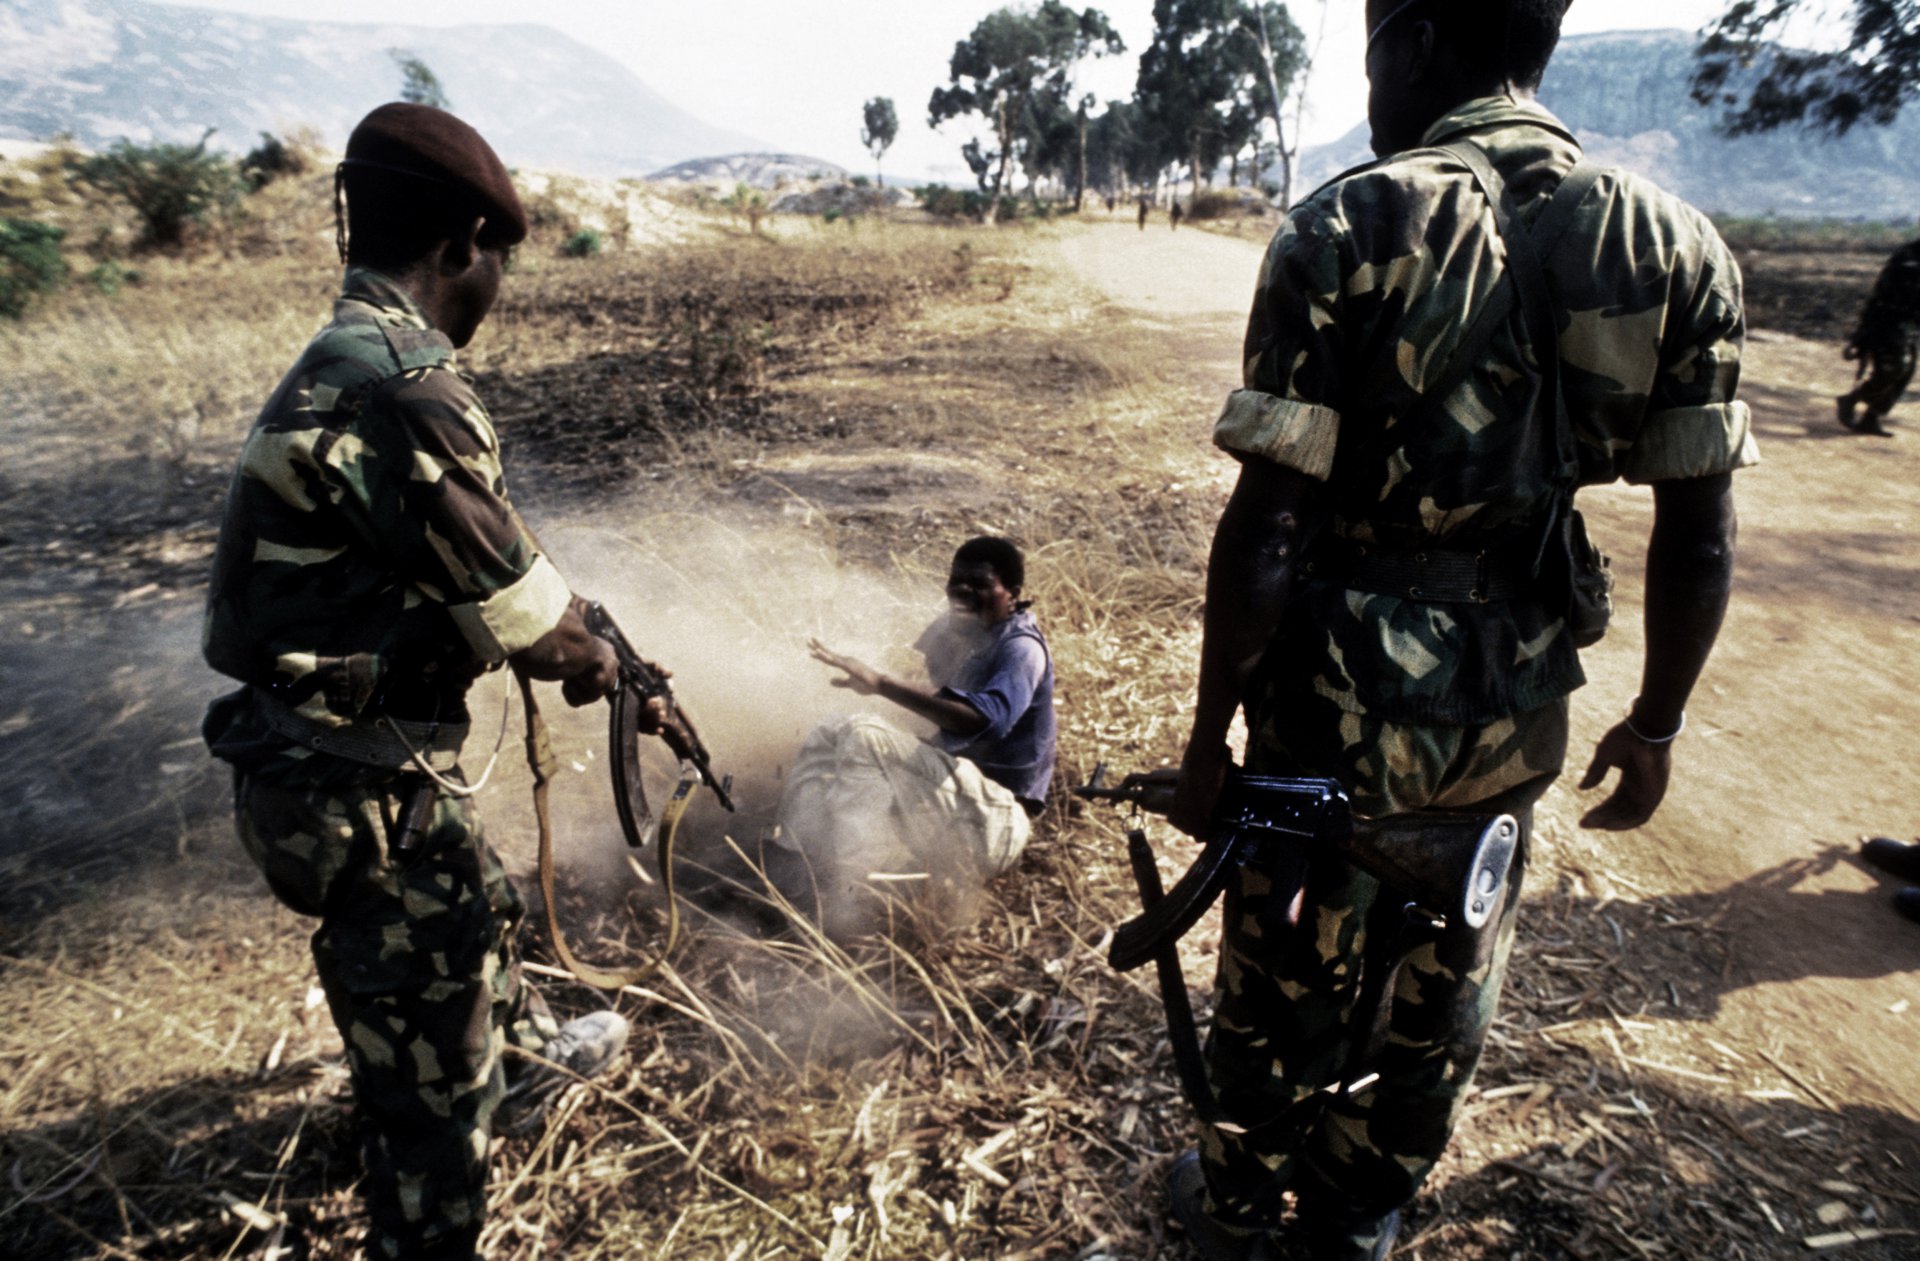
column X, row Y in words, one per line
column 370, row 567
column 1174, row 216
column 1440, row 350
column 1886, row 343
column 1145, row 204
column 866, row 796
column 1898, row 858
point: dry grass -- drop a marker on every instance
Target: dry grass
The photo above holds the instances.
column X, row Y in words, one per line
column 972, row 1087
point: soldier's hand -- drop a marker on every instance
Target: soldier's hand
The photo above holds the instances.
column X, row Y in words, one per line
column 1644, row 770
column 1202, row 772
column 597, row 677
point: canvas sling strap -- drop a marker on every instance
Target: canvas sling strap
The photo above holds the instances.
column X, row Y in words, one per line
column 543, row 763
column 1439, row 575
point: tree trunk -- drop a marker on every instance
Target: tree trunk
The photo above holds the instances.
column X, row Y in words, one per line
column 1003, row 128
column 1080, row 171
column 1273, row 93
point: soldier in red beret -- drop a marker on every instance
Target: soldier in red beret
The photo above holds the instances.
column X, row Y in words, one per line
column 370, row 569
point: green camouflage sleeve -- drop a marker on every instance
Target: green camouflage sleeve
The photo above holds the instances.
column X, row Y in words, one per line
column 1292, row 353
column 429, row 492
column 1694, row 426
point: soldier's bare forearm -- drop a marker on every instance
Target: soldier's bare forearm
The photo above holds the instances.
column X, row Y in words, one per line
column 1250, row 574
column 1689, row 575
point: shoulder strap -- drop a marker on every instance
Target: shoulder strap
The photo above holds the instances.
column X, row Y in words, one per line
column 1526, row 253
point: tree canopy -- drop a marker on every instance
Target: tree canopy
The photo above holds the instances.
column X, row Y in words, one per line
column 1016, row 72
column 418, row 84
column 1744, row 67
column 878, row 126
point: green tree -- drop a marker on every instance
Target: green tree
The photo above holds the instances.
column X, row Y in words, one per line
column 30, row 264
column 168, row 185
column 878, row 126
column 1216, row 68
column 1012, row 56
column 419, row 85
column 1744, row 67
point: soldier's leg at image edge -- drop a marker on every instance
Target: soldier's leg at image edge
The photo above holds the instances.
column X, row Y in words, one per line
column 422, row 980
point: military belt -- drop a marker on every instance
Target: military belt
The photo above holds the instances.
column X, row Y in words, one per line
column 386, row 742
column 1431, row 575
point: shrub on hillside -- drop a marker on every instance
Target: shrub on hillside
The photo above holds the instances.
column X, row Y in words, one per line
column 169, row 186
column 583, row 244
column 30, row 264
column 1213, row 203
column 952, row 203
column 274, row 157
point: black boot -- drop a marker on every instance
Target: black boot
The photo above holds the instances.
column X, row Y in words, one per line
column 1907, row 902
column 1896, row 858
column 1336, row 1228
column 1213, row 1239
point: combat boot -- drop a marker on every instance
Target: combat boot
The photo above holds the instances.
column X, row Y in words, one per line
column 584, row 1047
column 1896, row 858
column 1334, row 1227
column 1212, row 1238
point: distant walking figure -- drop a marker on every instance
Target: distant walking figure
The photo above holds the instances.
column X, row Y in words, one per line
column 1174, row 216
column 1886, row 343
column 1144, row 204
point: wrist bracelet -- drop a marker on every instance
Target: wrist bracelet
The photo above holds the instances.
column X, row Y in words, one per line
column 1643, row 737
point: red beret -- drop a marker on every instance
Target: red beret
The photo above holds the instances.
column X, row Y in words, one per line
column 432, row 145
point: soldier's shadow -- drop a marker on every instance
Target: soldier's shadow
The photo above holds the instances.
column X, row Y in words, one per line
column 221, row 1164
column 1677, row 956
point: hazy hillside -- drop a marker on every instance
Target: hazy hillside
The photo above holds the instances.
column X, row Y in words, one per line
column 755, row 170
column 101, row 69
column 1625, row 94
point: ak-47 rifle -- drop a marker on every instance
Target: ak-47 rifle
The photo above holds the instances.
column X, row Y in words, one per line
column 1451, row 867
column 640, row 682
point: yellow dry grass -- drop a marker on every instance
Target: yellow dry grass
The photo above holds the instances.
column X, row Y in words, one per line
column 946, row 1089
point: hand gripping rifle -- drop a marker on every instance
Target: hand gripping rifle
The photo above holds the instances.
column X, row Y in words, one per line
column 640, row 681
column 1452, row 868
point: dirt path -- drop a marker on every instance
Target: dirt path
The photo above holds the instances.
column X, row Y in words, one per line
column 1800, row 735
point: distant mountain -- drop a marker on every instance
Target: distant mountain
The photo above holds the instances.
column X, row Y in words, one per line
column 755, row 170
column 103, row 69
column 1624, row 93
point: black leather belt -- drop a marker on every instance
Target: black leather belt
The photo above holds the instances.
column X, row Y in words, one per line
column 1430, row 575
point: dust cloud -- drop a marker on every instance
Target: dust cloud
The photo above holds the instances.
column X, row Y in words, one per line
column 728, row 607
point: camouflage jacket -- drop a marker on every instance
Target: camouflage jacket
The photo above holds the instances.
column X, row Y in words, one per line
column 1363, row 290
column 370, row 562
column 1893, row 308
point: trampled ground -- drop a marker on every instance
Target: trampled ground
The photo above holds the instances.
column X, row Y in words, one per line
column 1708, row 1045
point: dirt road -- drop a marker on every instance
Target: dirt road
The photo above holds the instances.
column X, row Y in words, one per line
column 1800, row 737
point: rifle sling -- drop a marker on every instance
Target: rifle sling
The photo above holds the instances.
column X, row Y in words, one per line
column 541, row 761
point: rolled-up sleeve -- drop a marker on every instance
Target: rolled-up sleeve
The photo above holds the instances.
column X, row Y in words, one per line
column 424, row 486
column 1292, row 356
column 1694, row 425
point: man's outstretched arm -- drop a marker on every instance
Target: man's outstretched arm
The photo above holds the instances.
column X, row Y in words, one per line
column 1250, row 572
column 1689, row 574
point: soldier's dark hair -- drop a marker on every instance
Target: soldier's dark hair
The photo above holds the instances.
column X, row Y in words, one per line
column 394, row 219
column 1001, row 555
column 1511, row 37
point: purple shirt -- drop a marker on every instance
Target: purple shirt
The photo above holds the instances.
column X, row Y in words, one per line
column 1006, row 673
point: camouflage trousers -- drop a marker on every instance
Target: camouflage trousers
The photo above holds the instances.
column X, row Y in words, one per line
column 418, row 962
column 1291, row 972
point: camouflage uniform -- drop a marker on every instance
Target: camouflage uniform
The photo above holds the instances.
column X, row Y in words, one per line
column 370, row 567
column 1887, row 342
column 1420, row 704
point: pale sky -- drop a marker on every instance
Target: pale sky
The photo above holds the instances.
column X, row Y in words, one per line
column 795, row 74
